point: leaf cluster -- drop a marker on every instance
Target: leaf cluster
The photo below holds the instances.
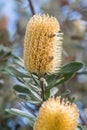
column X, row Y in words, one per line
column 35, row 89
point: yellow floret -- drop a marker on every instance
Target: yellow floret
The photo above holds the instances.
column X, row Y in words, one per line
column 56, row 115
column 42, row 45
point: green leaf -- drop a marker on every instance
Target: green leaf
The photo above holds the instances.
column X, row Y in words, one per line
column 50, row 92
column 63, row 78
column 53, row 91
column 67, row 92
column 21, row 89
column 80, row 127
column 59, row 80
column 72, row 100
column 23, row 96
column 18, row 61
column 2, row 69
column 20, row 79
column 35, row 95
column 28, row 98
column 34, row 102
column 4, row 52
column 50, row 79
column 15, row 72
column 27, row 90
column 29, row 83
column 67, row 71
column 35, row 79
column 71, row 67
column 33, row 89
column 17, row 112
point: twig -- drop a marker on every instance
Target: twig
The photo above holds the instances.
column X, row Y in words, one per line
column 31, row 7
column 83, row 72
column 64, row 88
column 83, row 120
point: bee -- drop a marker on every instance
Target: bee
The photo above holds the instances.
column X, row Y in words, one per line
column 59, row 34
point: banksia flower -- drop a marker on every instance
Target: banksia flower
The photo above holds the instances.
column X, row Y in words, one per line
column 42, row 45
column 57, row 115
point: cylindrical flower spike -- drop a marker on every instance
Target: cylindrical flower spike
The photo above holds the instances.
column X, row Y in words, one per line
column 43, row 45
column 57, row 115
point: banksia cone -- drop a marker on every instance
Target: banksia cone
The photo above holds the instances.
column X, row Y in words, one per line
column 42, row 45
column 56, row 115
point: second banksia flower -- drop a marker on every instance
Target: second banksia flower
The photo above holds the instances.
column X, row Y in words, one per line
column 42, row 45
column 57, row 115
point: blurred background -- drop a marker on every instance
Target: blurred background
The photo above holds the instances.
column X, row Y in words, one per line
column 14, row 15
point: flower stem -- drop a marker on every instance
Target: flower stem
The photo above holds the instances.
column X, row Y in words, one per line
column 41, row 78
column 31, row 7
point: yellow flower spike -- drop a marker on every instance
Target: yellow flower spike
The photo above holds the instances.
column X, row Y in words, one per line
column 56, row 115
column 42, row 45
